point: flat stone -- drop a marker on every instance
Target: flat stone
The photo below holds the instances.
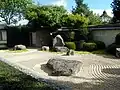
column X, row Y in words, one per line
column 45, row 48
column 63, row 67
column 61, row 49
column 19, row 47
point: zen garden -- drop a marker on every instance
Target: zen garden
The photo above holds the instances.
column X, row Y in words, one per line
column 57, row 49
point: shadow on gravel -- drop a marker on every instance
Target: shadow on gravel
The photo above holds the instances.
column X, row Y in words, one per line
column 112, row 83
column 109, row 83
column 46, row 70
column 107, row 56
column 114, row 71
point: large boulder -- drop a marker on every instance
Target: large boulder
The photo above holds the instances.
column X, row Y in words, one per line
column 63, row 67
column 19, row 47
column 58, row 41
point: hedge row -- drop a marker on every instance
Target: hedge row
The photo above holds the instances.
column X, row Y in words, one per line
column 87, row 46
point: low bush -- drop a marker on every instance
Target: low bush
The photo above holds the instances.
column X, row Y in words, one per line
column 112, row 48
column 70, row 45
column 117, row 39
column 89, row 46
column 100, row 44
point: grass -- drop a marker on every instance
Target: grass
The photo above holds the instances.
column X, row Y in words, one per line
column 99, row 52
column 13, row 79
column 93, row 52
column 82, row 52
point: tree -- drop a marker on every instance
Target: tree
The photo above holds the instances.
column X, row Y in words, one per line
column 105, row 17
column 74, row 21
column 81, row 8
column 49, row 16
column 94, row 19
column 116, row 10
column 12, row 11
column 84, row 10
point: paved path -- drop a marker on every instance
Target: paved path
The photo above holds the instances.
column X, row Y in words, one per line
column 98, row 72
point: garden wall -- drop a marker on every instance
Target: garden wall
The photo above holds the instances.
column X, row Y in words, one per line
column 107, row 36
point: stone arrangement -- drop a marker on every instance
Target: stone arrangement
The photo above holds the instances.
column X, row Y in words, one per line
column 58, row 41
column 63, row 67
column 118, row 52
column 45, row 48
column 19, row 47
column 61, row 49
column 70, row 52
column 58, row 44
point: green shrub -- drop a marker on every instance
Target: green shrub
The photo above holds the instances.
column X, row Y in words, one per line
column 70, row 45
column 89, row 46
column 112, row 48
column 100, row 44
column 117, row 39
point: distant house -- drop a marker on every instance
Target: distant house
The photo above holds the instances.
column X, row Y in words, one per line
column 105, row 33
column 3, row 36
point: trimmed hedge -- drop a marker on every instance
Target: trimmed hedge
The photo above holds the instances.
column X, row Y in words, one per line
column 100, row 44
column 70, row 45
column 89, row 46
column 117, row 39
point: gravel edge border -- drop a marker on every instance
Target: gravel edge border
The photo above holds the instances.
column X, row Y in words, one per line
column 36, row 75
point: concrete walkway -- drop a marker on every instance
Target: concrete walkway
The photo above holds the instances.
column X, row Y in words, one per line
column 98, row 72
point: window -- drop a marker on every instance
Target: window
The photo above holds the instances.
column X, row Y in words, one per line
column 3, row 36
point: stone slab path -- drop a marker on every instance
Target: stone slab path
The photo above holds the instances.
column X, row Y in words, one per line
column 98, row 72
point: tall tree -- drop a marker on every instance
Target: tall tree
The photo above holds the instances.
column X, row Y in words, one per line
column 116, row 10
column 49, row 16
column 12, row 11
column 74, row 20
column 83, row 9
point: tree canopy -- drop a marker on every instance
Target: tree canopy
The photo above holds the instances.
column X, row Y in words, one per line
column 74, row 20
column 116, row 10
column 11, row 11
column 45, row 15
column 54, row 17
column 83, row 9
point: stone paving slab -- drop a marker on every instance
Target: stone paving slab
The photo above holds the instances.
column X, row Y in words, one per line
column 98, row 72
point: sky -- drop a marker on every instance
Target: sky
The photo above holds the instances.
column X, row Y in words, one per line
column 98, row 6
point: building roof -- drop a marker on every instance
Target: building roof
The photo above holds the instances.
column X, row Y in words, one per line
column 105, row 27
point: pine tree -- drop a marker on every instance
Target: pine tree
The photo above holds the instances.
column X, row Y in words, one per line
column 116, row 10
